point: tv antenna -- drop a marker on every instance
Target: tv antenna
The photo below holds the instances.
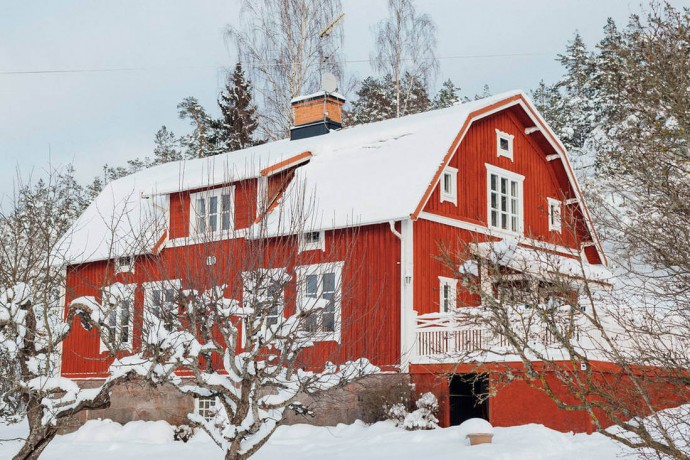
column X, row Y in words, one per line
column 325, row 33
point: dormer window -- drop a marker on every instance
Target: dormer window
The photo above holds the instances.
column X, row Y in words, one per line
column 554, row 215
column 504, row 144
column 312, row 241
column 449, row 185
column 212, row 211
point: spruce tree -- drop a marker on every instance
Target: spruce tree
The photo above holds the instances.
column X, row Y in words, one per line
column 238, row 122
column 447, row 95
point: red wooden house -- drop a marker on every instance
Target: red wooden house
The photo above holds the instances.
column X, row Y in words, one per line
column 475, row 172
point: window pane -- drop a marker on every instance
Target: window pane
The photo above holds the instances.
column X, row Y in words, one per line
column 504, row 203
column 213, row 222
column 312, row 287
column 513, row 188
column 225, row 203
column 328, row 282
column 494, row 201
column 200, row 206
column 225, row 209
column 504, row 143
column 504, row 221
column 514, row 224
column 328, row 317
column 225, row 221
column 494, row 178
column 494, row 218
column 504, row 185
column 213, row 205
column 447, row 183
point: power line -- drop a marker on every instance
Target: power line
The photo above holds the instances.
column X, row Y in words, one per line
column 144, row 69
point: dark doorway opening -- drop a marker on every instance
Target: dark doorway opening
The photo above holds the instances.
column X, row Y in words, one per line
column 467, row 397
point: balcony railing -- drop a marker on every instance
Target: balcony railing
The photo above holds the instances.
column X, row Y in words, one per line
column 445, row 335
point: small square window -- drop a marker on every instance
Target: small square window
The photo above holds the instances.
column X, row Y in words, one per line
column 312, row 241
column 504, row 144
column 449, row 187
column 205, row 406
column 124, row 265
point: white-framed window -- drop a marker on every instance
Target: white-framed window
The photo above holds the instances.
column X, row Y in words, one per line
column 319, row 291
column 161, row 297
column 504, row 144
column 449, row 185
column 212, row 211
column 447, row 294
column 118, row 306
column 504, row 203
column 555, row 210
column 264, row 292
column 124, row 264
column 205, row 406
column 261, row 195
column 312, row 241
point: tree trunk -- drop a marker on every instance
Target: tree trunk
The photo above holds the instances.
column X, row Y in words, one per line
column 39, row 436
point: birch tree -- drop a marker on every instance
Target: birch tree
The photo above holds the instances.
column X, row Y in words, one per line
column 405, row 45
column 285, row 46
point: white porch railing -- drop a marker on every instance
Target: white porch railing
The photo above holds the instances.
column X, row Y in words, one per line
column 445, row 334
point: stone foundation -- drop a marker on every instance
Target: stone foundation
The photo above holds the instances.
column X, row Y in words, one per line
column 363, row 400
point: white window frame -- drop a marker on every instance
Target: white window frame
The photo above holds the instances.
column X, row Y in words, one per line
column 197, row 405
column 519, row 213
column 149, row 287
column 555, row 214
column 122, row 291
column 452, row 194
column 261, row 195
column 207, row 195
column 305, row 245
column 321, row 269
column 273, row 273
column 509, row 138
column 450, row 303
column 124, row 264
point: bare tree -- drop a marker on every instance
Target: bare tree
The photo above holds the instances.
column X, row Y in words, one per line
column 551, row 321
column 33, row 321
column 285, row 46
column 231, row 318
column 405, row 45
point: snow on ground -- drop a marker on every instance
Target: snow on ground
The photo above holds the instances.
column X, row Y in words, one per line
column 107, row 440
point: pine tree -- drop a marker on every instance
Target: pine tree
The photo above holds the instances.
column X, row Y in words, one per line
column 165, row 147
column 447, row 95
column 414, row 97
column 375, row 101
column 198, row 143
column 238, row 122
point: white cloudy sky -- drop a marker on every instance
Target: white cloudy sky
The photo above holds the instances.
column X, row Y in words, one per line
column 175, row 48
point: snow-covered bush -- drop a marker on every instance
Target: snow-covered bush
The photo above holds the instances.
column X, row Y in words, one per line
column 183, row 433
column 423, row 418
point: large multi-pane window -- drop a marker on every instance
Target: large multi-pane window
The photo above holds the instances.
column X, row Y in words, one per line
column 118, row 304
column 320, row 295
column 505, row 199
column 160, row 300
column 212, row 211
column 264, row 292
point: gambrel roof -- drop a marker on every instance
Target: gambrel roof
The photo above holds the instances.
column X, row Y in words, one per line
column 374, row 173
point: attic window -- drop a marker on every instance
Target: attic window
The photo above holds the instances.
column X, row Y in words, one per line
column 212, row 211
column 124, row 265
column 449, row 185
column 312, row 241
column 554, row 215
column 504, row 144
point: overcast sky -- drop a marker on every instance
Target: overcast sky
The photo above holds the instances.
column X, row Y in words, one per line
column 160, row 51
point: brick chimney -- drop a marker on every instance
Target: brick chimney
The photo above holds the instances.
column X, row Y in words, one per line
column 316, row 114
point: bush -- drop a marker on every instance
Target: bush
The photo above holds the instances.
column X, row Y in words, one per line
column 423, row 418
column 183, row 433
column 377, row 400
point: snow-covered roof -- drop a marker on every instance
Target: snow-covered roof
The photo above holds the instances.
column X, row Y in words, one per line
column 508, row 253
column 362, row 175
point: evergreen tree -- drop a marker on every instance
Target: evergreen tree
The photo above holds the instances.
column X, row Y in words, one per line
column 486, row 92
column 165, row 147
column 375, row 101
column 197, row 144
column 447, row 95
column 238, row 122
column 414, row 97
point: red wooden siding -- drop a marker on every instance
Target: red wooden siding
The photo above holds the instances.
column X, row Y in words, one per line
column 529, row 159
column 371, row 291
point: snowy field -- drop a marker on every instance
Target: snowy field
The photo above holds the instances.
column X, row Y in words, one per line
column 106, row 440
